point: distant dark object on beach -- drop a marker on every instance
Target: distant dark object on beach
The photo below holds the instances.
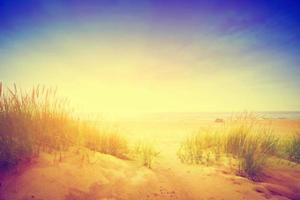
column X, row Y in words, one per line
column 219, row 120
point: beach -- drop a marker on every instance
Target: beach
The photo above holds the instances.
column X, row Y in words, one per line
column 104, row 176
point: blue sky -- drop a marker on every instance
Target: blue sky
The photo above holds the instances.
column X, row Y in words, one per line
column 191, row 50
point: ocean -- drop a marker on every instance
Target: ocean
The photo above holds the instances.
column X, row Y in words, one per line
column 216, row 115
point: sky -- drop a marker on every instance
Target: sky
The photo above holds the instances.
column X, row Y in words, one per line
column 155, row 56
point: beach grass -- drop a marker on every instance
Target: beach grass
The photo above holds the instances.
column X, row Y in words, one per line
column 200, row 147
column 146, row 153
column 37, row 120
column 108, row 141
column 241, row 138
column 292, row 147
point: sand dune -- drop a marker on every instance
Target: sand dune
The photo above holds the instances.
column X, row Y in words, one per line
column 86, row 175
column 106, row 177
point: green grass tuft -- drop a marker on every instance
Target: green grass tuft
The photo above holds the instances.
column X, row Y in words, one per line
column 37, row 120
column 146, row 153
column 241, row 138
column 293, row 148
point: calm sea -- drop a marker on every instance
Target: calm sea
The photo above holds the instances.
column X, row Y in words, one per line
column 215, row 115
column 195, row 116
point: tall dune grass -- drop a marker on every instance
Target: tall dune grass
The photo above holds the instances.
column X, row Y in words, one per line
column 200, row 147
column 293, row 148
column 108, row 141
column 146, row 153
column 37, row 120
column 241, row 138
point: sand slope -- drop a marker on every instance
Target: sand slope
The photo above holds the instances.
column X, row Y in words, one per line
column 106, row 177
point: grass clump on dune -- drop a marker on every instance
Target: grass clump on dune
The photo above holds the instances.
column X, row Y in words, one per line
column 37, row 120
column 293, row 148
column 146, row 153
column 241, row 138
column 108, row 141
column 200, row 148
column 250, row 143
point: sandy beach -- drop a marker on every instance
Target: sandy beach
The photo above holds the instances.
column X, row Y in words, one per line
column 104, row 176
